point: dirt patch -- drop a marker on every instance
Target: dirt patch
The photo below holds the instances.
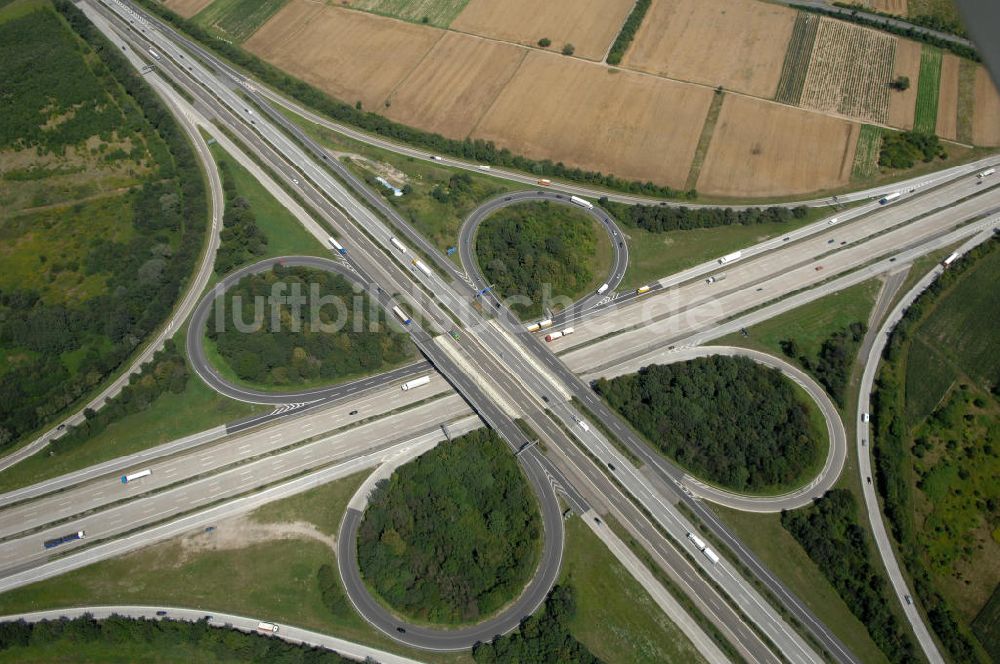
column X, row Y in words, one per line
column 850, row 71
column 186, row 8
column 902, row 104
column 684, row 39
column 947, row 114
column 986, row 116
column 240, row 532
column 593, row 117
column 388, row 171
column 455, row 84
column 762, row 149
column 352, row 55
column 590, row 25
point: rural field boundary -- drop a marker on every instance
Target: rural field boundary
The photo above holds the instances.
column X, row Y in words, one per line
column 711, row 118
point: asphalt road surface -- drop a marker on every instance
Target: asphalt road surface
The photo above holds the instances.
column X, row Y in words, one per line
column 469, row 228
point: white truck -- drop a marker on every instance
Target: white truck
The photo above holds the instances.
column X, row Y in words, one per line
column 132, row 477
column 697, row 541
column 888, row 198
column 401, row 315
column 422, row 266
column 951, row 259
column 585, row 204
column 337, row 246
column 729, row 258
column 711, row 555
column 416, row 382
column 603, row 289
column 562, row 333
column 396, row 243
column 986, row 173
column 154, row 54
column 267, row 628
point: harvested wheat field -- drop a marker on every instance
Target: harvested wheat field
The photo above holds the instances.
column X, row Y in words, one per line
column 761, row 149
column 455, row 84
column 897, row 7
column 590, row 25
column 635, row 126
column 739, row 44
column 349, row 54
column 186, row 8
column 902, row 104
column 947, row 113
column 850, row 71
column 986, row 117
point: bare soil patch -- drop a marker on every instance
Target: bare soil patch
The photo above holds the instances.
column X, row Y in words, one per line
column 455, row 84
column 947, row 114
column 590, row 25
column 986, row 116
column 902, row 104
column 762, row 149
column 352, row 55
column 593, row 117
column 240, row 532
column 850, row 71
column 739, row 44
column 187, row 8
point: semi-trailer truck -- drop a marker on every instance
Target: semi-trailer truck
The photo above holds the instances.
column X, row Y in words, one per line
column 545, row 182
column 337, row 246
column 711, row 555
column 401, row 315
column 729, row 258
column 715, row 277
column 540, row 325
column 154, row 54
column 267, row 628
column 420, row 265
column 558, row 335
column 587, row 205
column 697, row 541
column 951, row 259
column 131, row 477
column 986, row 173
column 416, row 382
column 603, row 289
column 72, row 537
column 396, row 243
column 888, row 198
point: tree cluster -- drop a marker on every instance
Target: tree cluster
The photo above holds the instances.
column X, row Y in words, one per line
column 297, row 351
column 143, row 275
column 903, row 149
column 477, row 150
column 726, row 419
column 452, row 536
column 540, row 639
column 660, row 219
column 241, row 239
column 213, row 644
column 528, row 248
column 832, row 368
column 829, row 532
column 627, row 33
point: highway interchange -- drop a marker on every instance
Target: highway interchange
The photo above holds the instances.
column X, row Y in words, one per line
column 503, row 373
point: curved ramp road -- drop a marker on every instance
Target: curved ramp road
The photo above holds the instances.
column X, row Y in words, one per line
column 836, row 452
column 208, row 373
column 467, row 244
column 223, row 620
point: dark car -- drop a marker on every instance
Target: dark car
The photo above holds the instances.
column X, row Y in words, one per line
column 161, row 613
column 401, row 630
column 611, row 466
column 353, row 412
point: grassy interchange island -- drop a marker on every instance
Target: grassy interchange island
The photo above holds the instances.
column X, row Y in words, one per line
column 527, row 248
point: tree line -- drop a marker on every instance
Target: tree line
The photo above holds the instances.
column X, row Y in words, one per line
column 726, row 419
column 828, row 530
column 902, row 149
column 536, row 248
column 832, row 368
column 891, row 448
column 932, row 21
column 34, row 640
column 540, row 639
column 241, row 239
column 454, row 535
column 297, row 351
column 661, row 219
column 627, row 33
column 143, row 275
column 469, row 149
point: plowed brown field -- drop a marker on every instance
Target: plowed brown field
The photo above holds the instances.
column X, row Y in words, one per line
column 187, row 8
column 584, row 115
column 902, row 104
column 739, row 44
column 768, row 149
column 590, row 25
column 986, row 118
column 350, row 54
column 947, row 114
column 455, row 84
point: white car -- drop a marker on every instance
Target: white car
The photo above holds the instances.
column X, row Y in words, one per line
column 865, row 417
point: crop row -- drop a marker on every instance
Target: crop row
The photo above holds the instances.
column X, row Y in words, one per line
column 797, row 57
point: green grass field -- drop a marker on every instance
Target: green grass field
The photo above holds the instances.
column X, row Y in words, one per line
column 966, row 99
column 434, row 12
column 866, row 155
column 707, row 129
column 236, row 20
column 285, row 235
column 779, row 551
column 653, row 256
column 928, row 377
column 616, row 619
column 987, row 625
column 925, row 119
